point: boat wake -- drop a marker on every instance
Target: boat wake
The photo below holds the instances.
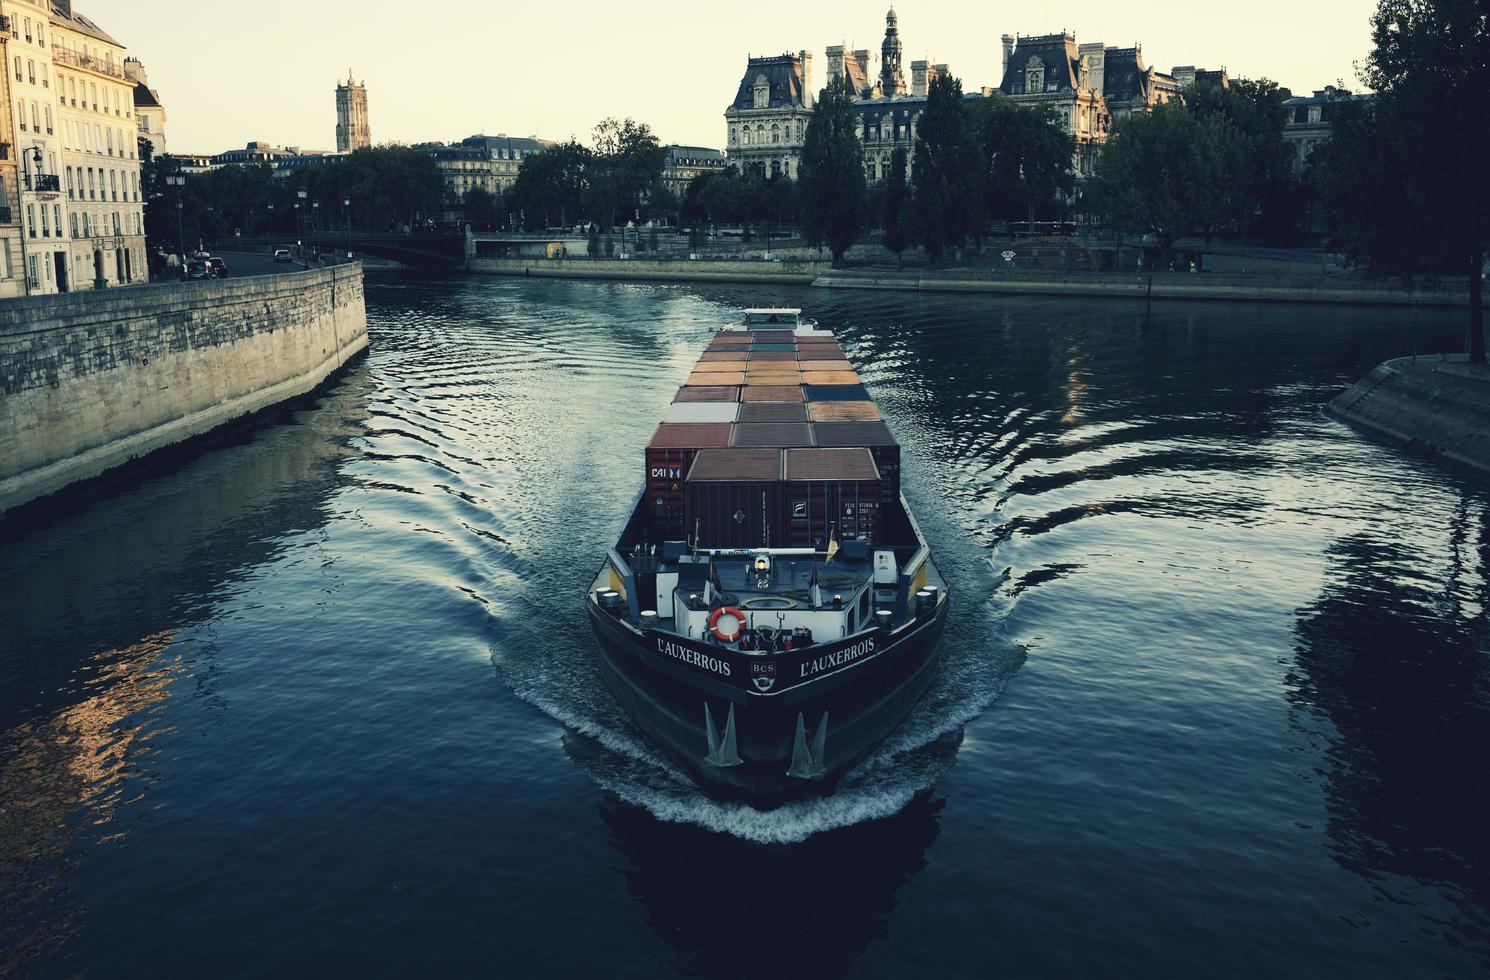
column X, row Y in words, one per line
column 561, row 681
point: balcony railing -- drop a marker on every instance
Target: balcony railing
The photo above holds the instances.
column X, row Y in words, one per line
column 46, row 184
column 76, row 60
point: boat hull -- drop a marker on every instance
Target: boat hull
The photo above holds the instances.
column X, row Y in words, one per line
column 676, row 690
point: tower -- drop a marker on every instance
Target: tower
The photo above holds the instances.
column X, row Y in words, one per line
column 892, row 79
column 352, row 132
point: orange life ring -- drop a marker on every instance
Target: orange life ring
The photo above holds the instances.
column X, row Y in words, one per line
column 714, row 619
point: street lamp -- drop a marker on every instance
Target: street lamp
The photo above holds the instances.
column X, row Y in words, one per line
column 299, row 227
column 178, row 181
column 271, row 219
column 346, row 204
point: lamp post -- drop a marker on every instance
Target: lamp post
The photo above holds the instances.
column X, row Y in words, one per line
column 271, row 219
column 178, row 181
column 299, row 226
column 346, row 204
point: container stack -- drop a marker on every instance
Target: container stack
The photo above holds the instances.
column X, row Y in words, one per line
column 773, row 441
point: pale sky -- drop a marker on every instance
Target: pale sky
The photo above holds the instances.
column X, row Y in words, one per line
column 233, row 72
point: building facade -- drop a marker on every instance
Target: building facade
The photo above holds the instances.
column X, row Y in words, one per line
column 480, row 162
column 12, row 233
column 150, row 114
column 1309, row 121
column 353, row 131
column 100, row 153
column 38, row 146
column 767, row 121
column 685, row 163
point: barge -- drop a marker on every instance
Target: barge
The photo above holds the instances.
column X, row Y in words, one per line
column 770, row 610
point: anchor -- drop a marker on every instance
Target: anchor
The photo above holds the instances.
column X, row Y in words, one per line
column 723, row 754
column 807, row 760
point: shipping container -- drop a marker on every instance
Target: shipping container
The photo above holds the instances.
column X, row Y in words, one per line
column 818, row 364
column 707, row 393
column 731, row 340
column 772, row 435
column 668, row 457
column 831, row 492
column 843, row 412
column 773, row 378
column 772, row 337
column 830, row 378
column 758, row 357
column 712, row 356
column 732, row 498
column 773, row 412
column 773, row 349
column 771, row 393
column 719, row 367
column 835, row 393
column 701, row 412
column 874, row 436
column 697, row 380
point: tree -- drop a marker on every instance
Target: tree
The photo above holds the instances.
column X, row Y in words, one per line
column 625, row 165
column 946, row 194
column 553, row 184
column 1024, row 159
column 1163, row 173
column 1402, row 179
column 896, row 214
column 1260, row 195
column 482, row 208
column 831, row 177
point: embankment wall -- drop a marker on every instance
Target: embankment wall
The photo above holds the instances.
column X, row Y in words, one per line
column 92, row 381
column 1429, row 406
column 786, row 271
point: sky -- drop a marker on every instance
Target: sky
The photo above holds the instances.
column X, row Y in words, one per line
column 230, row 73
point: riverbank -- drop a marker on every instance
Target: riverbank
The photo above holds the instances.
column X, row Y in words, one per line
column 95, row 381
column 1209, row 287
column 791, row 271
column 1436, row 407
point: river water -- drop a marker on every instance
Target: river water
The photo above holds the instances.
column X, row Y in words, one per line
column 1216, row 699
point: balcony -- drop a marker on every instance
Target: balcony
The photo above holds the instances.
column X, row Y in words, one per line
column 46, row 184
column 63, row 56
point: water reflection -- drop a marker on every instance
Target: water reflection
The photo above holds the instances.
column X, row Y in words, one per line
column 730, row 908
column 1394, row 655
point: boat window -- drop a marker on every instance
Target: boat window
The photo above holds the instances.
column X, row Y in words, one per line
column 864, row 605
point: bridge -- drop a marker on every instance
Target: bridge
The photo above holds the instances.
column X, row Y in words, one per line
column 434, row 250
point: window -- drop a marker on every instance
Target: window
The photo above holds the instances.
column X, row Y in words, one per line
column 775, row 133
column 35, row 118
column 90, row 186
column 113, row 187
column 733, row 135
column 1034, row 76
column 21, row 114
column 31, row 71
column 870, row 171
column 799, row 130
column 116, row 224
column 46, row 223
column 33, row 279
column 18, row 68
column 73, row 220
column 110, row 135
column 57, row 218
column 47, row 111
column 69, row 183
column 31, row 221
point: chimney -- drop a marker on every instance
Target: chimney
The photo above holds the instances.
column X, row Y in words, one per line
column 808, row 95
column 1096, row 59
column 919, row 84
column 835, row 62
column 1008, row 53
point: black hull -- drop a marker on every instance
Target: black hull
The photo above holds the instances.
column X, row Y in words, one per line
column 863, row 703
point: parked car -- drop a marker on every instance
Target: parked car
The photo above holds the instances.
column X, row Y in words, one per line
column 282, row 255
column 198, row 269
column 219, row 267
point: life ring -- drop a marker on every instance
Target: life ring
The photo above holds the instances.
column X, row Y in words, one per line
column 720, row 634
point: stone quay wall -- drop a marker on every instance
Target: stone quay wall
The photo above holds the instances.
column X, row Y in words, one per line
column 92, row 381
column 1429, row 406
column 799, row 272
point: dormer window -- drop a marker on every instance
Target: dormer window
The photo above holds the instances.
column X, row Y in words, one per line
column 762, row 92
column 1034, row 76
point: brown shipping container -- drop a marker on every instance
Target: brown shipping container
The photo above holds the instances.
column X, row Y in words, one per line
column 775, row 435
column 808, row 352
column 781, row 356
column 830, row 378
column 773, row 377
column 732, row 498
column 772, row 336
column 831, row 491
column 668, row 457
column 708, row 394
column 772, row 393
column 718, row 367
column 843, row 412
column 773, row 412
column 874, row 436
column 740, row 339
column 841, row 364
column 697, row 380
column 714, row 356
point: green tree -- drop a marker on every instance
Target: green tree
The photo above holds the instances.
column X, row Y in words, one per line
column 831, row 177
column 1024, row 159
column 483, row 209
column 625, row 165
column 552, row 185
column 1402, row 179
column 946, row 192
column 1164, row 173
column 895, row 217
column 1260, row 195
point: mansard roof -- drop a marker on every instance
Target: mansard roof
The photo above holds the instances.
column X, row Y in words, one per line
column 145, row 98
column 782, row 72
column 873, row 111
column 1125, row 77
column 1057, row 53
column 65, row 16
column 702, row 154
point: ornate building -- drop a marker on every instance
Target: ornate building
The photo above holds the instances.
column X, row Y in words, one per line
column 12, row 242
column 149, row 112
column 488, row 163
column 352, row 130
column 684, row 163
column 767, row 120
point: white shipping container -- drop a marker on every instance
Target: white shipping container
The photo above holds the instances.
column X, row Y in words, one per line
column 702, row 412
